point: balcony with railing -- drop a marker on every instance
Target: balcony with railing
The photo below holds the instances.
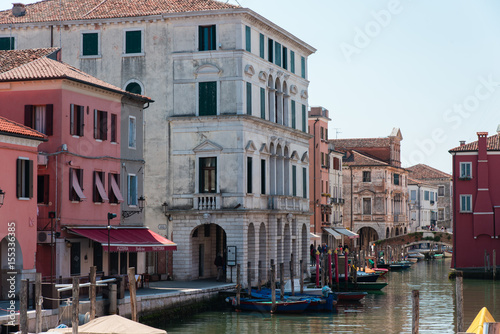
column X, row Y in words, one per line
column 288, row 203
column 206, row 201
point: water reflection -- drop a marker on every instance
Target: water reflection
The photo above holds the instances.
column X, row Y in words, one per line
column 386, row 312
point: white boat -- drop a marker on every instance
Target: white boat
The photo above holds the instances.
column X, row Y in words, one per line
column 416, row 255
column 448, row 253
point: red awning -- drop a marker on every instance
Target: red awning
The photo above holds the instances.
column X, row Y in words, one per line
column 125, row 239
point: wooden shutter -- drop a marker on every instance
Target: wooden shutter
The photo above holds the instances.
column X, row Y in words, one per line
column 262, row 103
column 96, row 122
column 81, row 118
column 304, row 182
column 303, row 67
column 263, row 176
column 213, row 38
column 71, row 184
column 249, row 175
column 28, row 115
column 270, row 47
column 49, row 119
column 285, row 58
column 104, row 125
column 248, row 39
column 294, row 119
column 249, row 98
column 208, row 98
column 30, row 178
column 277, row 53
column 292, row 62
column 113, row 128
column 261, row 43
column 72, row 119
column 133, row 43
column 95, row 193
column 294, row 180
column 201, row 45
column 303, row 118
column 19, row 178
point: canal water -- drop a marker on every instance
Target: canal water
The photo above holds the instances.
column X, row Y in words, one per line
column 389, row 311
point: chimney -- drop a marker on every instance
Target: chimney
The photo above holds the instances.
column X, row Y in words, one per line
column 18, row 9
column 498, row 129
column 462, row 142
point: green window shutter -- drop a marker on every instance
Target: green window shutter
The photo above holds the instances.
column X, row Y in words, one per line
column 207, row 98
column 285, row 58
column 304, row 182
column 270, row 48
column 249, row 98
column 213, row 38
column 292, row 62
column 201, row 38
column 303, row 118
column 294, row 180
column 133, row 43
column 248, row 39
column 249, row 175
column 294, row 119
column 277, row 53
column 303, row 67
column 90, row 44
column 261, row 44
column 263, row 176
column 262, row 103
column 6, row 43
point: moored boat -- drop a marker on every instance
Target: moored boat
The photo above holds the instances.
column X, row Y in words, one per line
column 266, row 306
column 351, row 295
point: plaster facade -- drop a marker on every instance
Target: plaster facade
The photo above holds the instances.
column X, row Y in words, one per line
column 422, row 200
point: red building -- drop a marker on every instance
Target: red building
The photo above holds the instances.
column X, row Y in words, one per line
column 79, row 167
column 476, row 203
column 18, row 208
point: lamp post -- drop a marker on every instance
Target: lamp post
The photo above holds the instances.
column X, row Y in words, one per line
column 2, row 197
column 110, row 216
column 140, row 202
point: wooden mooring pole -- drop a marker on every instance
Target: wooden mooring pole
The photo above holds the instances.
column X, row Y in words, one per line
column 249, row 278
column 259, row 284
column 74, row 305
column 23, row 310
column 92, row 291
column 273, row 286
column 38, row 301
column 415, row 299
column 460, row 301
column 131, row 288
column 238, row 285
column 291, row 275
column 301, row 276
column 282, row 281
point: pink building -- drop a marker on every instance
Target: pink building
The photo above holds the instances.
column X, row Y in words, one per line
column 476, row 203
column 79, row 166
column 18, row 209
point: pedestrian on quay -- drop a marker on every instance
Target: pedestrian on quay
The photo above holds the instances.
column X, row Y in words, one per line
column 219, row 262
column 313, row 255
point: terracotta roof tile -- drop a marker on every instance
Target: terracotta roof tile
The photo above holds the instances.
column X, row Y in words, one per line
column 360, row 142
column 66, row 10
column 424, row 172
column 10, row 127
column 355, row 158
column 45, row 68
column 14, row 58
column 492, row 144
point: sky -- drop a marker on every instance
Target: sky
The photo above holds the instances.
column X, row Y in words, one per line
column 430, row 68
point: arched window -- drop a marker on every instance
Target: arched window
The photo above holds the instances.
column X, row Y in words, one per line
column 134, row 86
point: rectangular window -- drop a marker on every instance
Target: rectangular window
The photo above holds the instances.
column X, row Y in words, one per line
column 132, row 189
column 76, row 120
column 465, row 203
column 432, row 197
column 76, row 185
column 326, row 134
column 133, row 41
column 367, row 206
column 270, row 48
column 303, row 67
column 465, row 170
column 98, row 192
column 261, row 46
column 322, row 159
column 304, row 182
column 396, row 179
column 43, row 189
column 336, row 163
column 113, row 127
column 303, row 118
column 322, row 133
column 262, row 103
column 292, row 62
column 263, row 177
column 249, row 98
column 248, row 39
column 367, row 176
column 285, row 58
column 24, row 178
column 249, row 175
column 115, row 195
column 208, row 175
column 277, row 53
column 90, row 44
column 440, row 191
column 207, row 98
column 294, row 117
column 413, row 195
column 7, row 43
column 294, row 181
column 39, row 118
column 132, row 132
column 426, row 195
column 206, row 38
column 100, row 124
column 440, row 213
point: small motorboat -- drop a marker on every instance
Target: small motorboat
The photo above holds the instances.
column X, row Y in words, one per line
column 266, row 305
column 351, row 295
column 416, row 255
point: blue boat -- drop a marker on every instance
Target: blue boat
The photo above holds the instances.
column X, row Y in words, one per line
column 266, row 305
column 316, row 303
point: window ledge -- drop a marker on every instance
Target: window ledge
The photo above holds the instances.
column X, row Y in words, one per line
column 23, row 198
column 91, row 56
column 141, row 54
column 465, row 178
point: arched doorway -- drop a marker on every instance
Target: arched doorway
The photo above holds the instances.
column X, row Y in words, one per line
column 207, row 241
column 387, row 233
column 5, row 244
column 367, row 235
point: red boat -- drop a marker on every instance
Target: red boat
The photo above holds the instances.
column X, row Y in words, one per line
column 351, row 295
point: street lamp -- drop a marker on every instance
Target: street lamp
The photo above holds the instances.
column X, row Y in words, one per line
column 140, row 201
column 110, row 216
column 2, row 197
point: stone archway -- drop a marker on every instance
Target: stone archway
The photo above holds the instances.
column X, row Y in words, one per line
column 207, row 241
column 366, row 236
